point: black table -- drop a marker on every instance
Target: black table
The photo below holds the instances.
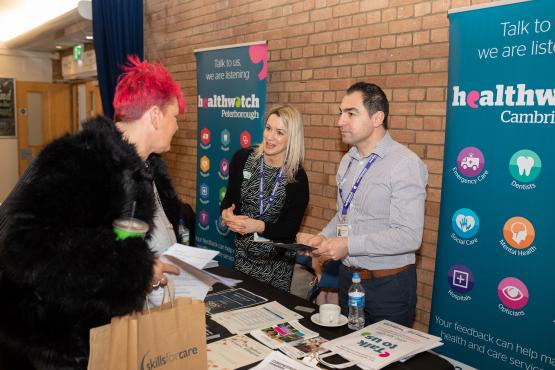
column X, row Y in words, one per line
column 422, row 361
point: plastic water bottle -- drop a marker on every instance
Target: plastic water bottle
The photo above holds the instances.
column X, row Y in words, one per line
column 356, row 304
column 183, row 232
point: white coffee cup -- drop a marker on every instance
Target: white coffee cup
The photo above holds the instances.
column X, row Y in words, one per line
column 329, row 313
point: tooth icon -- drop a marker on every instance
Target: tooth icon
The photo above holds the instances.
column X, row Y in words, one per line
column 524, row 164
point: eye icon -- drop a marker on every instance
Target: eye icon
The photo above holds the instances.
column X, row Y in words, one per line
column 512, row 293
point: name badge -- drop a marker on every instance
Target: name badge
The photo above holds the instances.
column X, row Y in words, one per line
column 342, row 229
column 260, row 239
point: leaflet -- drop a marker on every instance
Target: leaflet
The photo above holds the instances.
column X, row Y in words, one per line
column 245, row 320
column 304, row 348
column 231, row 299
column 276, row 336
column 380, row 344
column 235, row 352
column 278, row 361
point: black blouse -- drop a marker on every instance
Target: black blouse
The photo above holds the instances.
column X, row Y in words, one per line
column 296, row 199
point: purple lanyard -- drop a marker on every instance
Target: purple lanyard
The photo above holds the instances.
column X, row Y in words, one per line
column 347, row 202
column 261, row 189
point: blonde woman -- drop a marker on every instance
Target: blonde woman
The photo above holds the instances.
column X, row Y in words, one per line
column 266, row 197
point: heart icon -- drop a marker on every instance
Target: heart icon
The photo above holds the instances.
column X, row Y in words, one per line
column 465, row 223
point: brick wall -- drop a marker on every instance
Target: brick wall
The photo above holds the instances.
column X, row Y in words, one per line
column 317, row 49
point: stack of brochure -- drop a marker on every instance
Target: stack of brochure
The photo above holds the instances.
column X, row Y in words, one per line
column 380, row 344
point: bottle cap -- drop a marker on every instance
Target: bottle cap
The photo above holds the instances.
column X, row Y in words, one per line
column 356, row 277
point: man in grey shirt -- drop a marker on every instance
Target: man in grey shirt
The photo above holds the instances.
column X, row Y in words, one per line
column 380, row 210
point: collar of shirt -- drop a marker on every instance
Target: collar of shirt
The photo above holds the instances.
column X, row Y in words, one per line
column 380, row 150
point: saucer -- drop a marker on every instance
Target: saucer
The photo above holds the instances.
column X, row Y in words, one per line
column 316, row 319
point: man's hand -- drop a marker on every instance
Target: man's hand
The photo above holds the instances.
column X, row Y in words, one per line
column 309, row 239
column 333, row 248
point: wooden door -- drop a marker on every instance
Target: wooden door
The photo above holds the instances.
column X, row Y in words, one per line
column 43, row 114
column 94, row 103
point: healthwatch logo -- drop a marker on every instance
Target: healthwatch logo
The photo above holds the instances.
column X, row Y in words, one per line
column 509, row 97
column 223, row 101
column 503, row 96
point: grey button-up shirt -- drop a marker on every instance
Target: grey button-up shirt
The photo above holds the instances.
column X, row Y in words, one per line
column 386, row 216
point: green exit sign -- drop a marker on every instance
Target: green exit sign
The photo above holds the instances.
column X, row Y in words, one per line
column 78, row 51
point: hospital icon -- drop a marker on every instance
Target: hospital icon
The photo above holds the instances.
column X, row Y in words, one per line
column 460, row 278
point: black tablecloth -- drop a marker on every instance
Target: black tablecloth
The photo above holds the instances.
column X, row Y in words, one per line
column 422, row 361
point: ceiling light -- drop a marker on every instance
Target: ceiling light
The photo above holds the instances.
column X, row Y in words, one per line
column 89, row 37
column 59, row 47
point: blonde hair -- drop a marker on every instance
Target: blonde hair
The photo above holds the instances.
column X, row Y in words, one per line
column 294, row 154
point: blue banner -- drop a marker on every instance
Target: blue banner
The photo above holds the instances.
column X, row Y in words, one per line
column 493, row 300
column 231, row 83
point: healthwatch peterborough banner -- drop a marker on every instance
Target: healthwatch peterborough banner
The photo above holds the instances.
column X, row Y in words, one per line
column 231, row 102
column 494, row 292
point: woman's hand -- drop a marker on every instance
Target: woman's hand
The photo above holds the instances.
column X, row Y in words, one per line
column 241, row 224
column 231, row 220
column 159, row 269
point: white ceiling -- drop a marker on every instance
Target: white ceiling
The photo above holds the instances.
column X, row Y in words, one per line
column 65, row 30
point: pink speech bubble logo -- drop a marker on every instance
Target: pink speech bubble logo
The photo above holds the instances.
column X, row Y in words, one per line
column 259, row 53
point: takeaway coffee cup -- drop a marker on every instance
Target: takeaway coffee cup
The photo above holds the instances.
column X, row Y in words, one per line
column 129, row 227
column 329, row 313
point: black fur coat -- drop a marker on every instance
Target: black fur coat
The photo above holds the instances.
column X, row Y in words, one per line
column 61, row 270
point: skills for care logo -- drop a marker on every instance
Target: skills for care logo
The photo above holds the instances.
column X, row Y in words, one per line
column 512, row 99
column 518, row 236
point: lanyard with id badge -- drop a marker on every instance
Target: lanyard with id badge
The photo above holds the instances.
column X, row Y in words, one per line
column 262, row 209
column 343, row 226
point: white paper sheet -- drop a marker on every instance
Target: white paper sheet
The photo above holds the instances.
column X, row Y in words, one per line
column 278, row 361
column 262, row 316
column 198, row 257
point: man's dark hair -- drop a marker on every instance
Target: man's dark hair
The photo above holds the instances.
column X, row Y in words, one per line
column 373, row 97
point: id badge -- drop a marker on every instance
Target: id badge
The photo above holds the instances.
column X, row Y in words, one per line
column 342, row 229
column 260, row 239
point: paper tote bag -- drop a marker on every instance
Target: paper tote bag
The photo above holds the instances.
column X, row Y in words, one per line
column 168, row 337
column 99, row 353
column 173, row 338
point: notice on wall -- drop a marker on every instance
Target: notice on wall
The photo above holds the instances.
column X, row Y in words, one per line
column 493, row 300
column 7, row 107
column 231, row 102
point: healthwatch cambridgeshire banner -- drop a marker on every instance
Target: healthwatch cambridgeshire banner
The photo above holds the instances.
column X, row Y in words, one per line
column 494, row 293
column 231, row 102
